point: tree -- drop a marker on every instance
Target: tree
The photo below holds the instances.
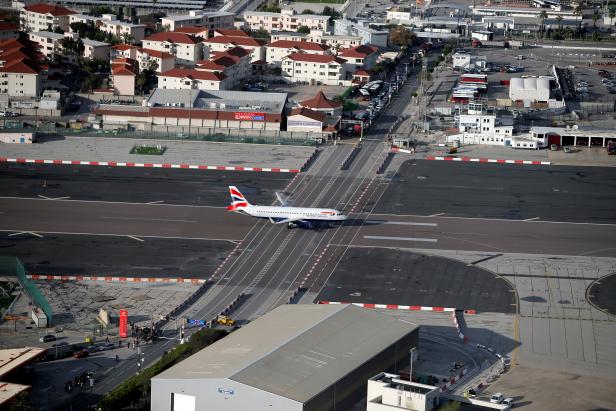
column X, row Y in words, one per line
column 22, row 402
column 58, row 30
column 559, row 19
column 595, row 16
column 307, row 11
column 90, row 83
column 401, row 36
column 579, row 13
column 100, row 10
column 303, row 29
column 127, row 38
column 331, row 12
column 543, row 15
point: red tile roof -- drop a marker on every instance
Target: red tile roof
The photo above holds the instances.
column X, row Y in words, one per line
column 361, row 73
column 320, row 101
column 122, row 71
column 172, row 37
column 156, row 53
column 237, row 52
column 238, row 41
column 194, row 30
column 123, row 47
column 315, row 58
column 194, row 74
column 8, row 26
column 22, row 67
column 124, row 67
column 306, row 112
column 358, row 51
column 52, row 9
column 300, row 45
column 20, row 56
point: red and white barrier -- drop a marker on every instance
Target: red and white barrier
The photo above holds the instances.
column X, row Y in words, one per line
column 146, row 165
column 453, row 380
column 393, row 306
column 111, row 279
column 489, row 160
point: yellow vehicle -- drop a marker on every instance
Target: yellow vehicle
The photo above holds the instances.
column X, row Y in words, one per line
column 224, row 320
column 90, row 339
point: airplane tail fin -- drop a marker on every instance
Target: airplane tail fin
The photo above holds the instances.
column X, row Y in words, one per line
column 238, row 201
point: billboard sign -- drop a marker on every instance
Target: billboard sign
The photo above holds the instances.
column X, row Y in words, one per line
column 248, row 115
column 123, row 323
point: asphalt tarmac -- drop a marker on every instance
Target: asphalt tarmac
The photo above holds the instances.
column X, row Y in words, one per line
column 385, row 276
column 138, row 185
column 601, row 294
column 548, row 193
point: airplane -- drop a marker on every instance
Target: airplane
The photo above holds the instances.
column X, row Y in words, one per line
column 303, row 217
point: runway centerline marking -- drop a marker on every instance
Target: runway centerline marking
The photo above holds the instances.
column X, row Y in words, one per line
column 380, row 237
column 147, row 219
column 373, row 222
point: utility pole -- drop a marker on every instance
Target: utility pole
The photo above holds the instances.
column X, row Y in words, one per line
column 423, row 85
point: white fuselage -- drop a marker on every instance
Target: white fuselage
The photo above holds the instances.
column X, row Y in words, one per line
column 293, row 213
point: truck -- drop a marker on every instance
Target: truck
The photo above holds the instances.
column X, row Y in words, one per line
column 611, row 147
column 224, row 320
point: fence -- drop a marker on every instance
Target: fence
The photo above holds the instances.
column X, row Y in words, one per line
column 183, row 133
column 11, row 266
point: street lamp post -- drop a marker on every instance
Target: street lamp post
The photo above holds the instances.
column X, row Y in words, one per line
column 411, row 361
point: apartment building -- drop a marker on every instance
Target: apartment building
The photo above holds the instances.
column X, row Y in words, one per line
column 198, row 31
column 162, row 60
column 123, row 51
column 321, row 37
column 47, row 42
column 221, row 43
column 278, row 49
column 44, row 17
column 187, row 49
column 360, row 57
column 184, row 79
column 211, row 20
column 93, row 49
column 109, row 23
column 314, row 69
column 399, row 15
column 233, row 63
column 286, row 20
column 20, row 73
column 123, row 74
column 8, row 30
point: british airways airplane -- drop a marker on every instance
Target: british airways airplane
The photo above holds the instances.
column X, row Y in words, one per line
column 292, row 216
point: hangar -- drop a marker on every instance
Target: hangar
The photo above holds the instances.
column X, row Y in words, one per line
column 296, row 357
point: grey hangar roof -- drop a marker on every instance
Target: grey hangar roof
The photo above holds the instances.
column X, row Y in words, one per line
column 295, row 351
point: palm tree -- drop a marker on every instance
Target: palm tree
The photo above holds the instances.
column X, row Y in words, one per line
column 127, row 38
column 595, row 16
column 579, row 12
column 543, row 15
column 559, row 19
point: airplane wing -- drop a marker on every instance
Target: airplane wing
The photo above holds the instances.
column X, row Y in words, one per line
column 281, row 199
column 285, row 221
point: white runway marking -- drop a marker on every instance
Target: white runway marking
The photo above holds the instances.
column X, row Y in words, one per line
column 379, row 237
column 156, row 202
column 135, row 238
column 26, row 232
column 53, row 198
column 16, row 232
column 532, row 219
column 147, row 219
column 400, row 223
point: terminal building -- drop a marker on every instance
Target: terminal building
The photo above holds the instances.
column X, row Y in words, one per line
column 198, row 109
column 296, row 357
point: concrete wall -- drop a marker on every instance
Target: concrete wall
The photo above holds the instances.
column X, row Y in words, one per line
column 17, row 138
column 218, row 394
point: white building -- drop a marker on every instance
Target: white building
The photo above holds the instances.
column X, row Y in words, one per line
column 48, row 42
column 361, row 28
column 276, row 50
column 360, row 57
column 399, row 15
column 314, row 69
column 529, row 89
column 93, row 49
column 123, row 51
column 108, row 23
column 222, row 43
column 44, row 17
column 387, row 392
column 147, row 58
column 305, row 119
column 211, row 20
column 323, row 105
column 319, row 36
column 186, row 79
column 233, row 63
column 286, row 20
column 464, row 59
column 20, row 79
column 480, row 125
column 187, row 49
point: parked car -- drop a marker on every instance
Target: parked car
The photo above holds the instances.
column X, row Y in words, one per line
column 566, row 149
column 106, row 346
column 497, row 398
column 47, row 338
column 554, row 147
column 81, row 353
column 508, row 401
